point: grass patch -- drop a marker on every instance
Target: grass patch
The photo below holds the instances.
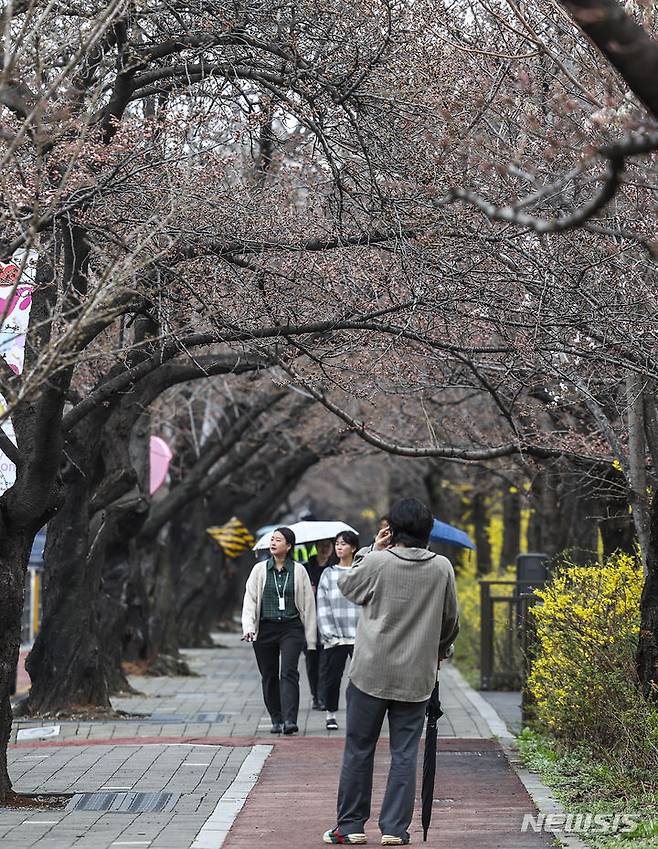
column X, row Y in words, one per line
column 585, row 784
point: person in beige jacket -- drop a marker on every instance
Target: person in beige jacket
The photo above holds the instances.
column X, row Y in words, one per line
column 408, row 621
column 278, row 617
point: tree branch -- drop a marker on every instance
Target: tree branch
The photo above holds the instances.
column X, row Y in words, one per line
column 624, row 43
column 448, row 452
column 616, row 156
column 211, row 365
column 9, row 449
column 191, row 485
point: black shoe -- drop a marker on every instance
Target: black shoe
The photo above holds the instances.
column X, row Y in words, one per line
column 290, row 728
column 332, row 725
column 317, row 705
column 277, row 728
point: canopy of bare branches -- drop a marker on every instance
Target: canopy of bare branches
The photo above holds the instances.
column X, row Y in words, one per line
column 263, row 229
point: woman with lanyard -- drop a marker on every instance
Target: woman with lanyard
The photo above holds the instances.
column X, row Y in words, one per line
column 278, row 616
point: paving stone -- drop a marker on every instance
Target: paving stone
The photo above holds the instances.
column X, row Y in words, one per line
column 224, row 702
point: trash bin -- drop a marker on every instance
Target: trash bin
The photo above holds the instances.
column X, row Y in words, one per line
column 532, row 568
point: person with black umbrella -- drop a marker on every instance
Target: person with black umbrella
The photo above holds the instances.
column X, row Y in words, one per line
column 409, row 618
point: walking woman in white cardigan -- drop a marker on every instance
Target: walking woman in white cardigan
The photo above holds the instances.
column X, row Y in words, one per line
column 278, row 616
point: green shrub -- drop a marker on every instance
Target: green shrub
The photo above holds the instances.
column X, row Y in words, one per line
column 583, row 676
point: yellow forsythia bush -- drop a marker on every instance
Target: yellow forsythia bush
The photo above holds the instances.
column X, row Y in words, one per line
column 583, row 675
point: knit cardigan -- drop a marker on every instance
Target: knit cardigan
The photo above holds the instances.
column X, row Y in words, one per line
column 304, row 601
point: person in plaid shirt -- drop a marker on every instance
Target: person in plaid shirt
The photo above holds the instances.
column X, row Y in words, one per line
column 337, row 621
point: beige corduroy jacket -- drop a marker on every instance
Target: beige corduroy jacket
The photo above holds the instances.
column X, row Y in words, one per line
column 409, row 618
column 304, row 601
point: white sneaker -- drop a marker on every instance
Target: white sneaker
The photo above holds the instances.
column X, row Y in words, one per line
column 392, row 840
column 349, row 839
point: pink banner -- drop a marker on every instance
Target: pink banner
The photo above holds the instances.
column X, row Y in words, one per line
column 16, row 284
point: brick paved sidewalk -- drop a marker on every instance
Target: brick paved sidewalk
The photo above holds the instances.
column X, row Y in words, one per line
column 181, row 784
column 177, row 777
column 197, row 791
column 226, row 701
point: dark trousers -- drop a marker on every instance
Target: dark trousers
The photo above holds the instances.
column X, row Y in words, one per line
column 331, row 673
column 313, row 661
column 277, row 649
column 365, row 715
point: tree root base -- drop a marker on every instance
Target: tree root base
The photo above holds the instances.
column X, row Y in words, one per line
column 38, row 801
column 167, row 665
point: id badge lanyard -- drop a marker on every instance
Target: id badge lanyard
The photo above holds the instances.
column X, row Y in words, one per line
column 282, row 598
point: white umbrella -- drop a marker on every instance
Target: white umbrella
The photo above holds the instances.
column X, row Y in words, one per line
column 308, row 532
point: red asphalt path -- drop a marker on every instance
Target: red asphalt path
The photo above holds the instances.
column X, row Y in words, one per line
column 479, row 801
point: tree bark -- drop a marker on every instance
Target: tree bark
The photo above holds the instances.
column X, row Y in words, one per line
column 543, row 527
column 480, row 516
column 123, row 604
column 624, row 42
column 34, row 497
column 163, row 589
column 617, row 528
column 637, row 463
column 647, row 651
column 15, row 545
column 72, row 661
column 577, row 521
column 75, row 662
column 151, row 633
column 66, row 662
column 511, row 528
column 564, row 515
column 651, row 422
column 201, row 574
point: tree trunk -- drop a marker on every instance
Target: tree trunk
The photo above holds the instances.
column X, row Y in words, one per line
column 201, row 568
column 544, row 526
column 152, row 633
column 124, row 602
column 128, row 581
column 624, row 43
column 563, row 517
column 578, row 523
column 15, row 546
column 480, row 521
column 163, row 590
column 35, row 496
column 76, row 659
column 647, row 652
column 66, row 663
column 235, row 578
column 511, row 528
column 637, row 464
column 617, row 528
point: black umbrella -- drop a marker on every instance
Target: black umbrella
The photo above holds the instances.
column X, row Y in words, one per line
column 434, row 713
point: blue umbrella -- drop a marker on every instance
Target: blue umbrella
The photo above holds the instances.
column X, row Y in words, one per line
column 443, row 532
